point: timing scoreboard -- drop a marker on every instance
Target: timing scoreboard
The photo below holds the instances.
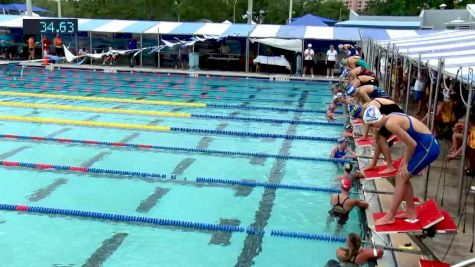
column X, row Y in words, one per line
column 50, row 26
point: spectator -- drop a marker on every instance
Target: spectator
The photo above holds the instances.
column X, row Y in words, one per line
column 224, row 48
column 330, row 61
column 110, row 56
column 457, row 137
column 31, row 48
column 470, row 151
column 11, row 50
column 184, row 57
column 355, row 254
column 82, row 52
column 419, row 90
column 308, row 60
column 45, row 43
column 58, row 46
column 132, row 45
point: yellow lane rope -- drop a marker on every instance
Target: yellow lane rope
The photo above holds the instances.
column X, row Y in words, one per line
column 105, row 99
column 88, row 123
column 92, row 109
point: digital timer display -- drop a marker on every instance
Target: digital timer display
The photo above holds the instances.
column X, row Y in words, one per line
column 50, row 26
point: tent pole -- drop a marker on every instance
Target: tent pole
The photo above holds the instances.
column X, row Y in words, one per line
column 158, row 45
column 90, row 46
column 29, row 9
column 429, row 111
column 386, row 69
column 141, row 52
column 440, row 67
column 76, row 44
column 408, row 89
column 464, row 139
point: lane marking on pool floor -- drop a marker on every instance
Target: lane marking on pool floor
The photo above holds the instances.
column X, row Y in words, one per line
column 46, row 191
column 159, row 128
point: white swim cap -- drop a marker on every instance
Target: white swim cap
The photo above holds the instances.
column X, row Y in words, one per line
column 372, row 115
column 340, row 46
column 309, row 45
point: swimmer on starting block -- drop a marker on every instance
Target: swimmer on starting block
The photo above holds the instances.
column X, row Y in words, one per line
column 354, row 62
column 421, row 149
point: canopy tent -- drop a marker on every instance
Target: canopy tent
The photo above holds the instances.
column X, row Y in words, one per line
column 386, row 24
column 312, row 20
column 287, row 44
column 455, row 47
column 22, row 8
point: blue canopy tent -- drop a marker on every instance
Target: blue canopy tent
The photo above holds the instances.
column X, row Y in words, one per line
column 312, row 20
column 22, row 8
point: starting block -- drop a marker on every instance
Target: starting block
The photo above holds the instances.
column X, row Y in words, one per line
column 428, row 263
column 374, row 173
column 370, row 141
column 357, row 122
column 428, row 216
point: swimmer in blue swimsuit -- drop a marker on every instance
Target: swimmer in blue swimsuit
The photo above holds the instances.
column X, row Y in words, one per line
column 421, row 150
column 341, row 149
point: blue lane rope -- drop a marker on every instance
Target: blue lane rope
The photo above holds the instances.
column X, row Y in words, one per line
column 267, row 185
column 270, row 108
column 166, row 222
column 266, row 120
column 255, row 135
column 169, row 148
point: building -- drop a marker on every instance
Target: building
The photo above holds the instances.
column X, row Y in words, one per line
column 356, row 4
column 432, row 19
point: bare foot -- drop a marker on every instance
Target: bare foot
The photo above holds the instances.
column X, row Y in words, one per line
column 387, row 219
column 412, row 215
column 387, row 170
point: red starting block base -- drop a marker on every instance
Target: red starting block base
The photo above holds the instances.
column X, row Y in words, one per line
column 428, row 263
column 369, row 141
column 374, row 173
column 428, row 215
column 357, row 122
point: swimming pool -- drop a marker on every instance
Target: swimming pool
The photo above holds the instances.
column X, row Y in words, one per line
column 94, row 146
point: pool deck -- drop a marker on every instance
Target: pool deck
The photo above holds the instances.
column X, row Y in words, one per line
column 437, row 246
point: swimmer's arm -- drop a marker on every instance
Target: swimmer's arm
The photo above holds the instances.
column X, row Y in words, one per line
column 394, row 127
column 359, row 203
column 332, row 153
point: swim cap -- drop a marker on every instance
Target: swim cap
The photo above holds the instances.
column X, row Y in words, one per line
column 355, row 111
column 348, row 127
column 309, row 45
column 345, row 184
column 339, row 95
column 341, row 140
column 350, row 89
column 340, row 46
column 372, row 115
column 348, row 167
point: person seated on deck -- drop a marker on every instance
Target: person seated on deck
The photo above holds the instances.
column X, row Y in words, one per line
column 110, row 56
column 342, row 204
column 348, row 49
column 341, row 149
column 354, row 254
column 457, row 137
column 470, row 150
column 354, row 62
column 365, row 93
column 421, row 149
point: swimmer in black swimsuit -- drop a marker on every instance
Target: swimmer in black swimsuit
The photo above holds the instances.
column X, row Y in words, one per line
column 342, row 204
column 354, row 254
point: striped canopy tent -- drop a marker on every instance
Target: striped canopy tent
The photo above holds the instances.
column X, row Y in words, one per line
column 457, row 48
column 196, row 28
column 388, row 34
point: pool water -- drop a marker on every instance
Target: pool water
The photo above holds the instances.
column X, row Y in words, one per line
column 33, row 239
